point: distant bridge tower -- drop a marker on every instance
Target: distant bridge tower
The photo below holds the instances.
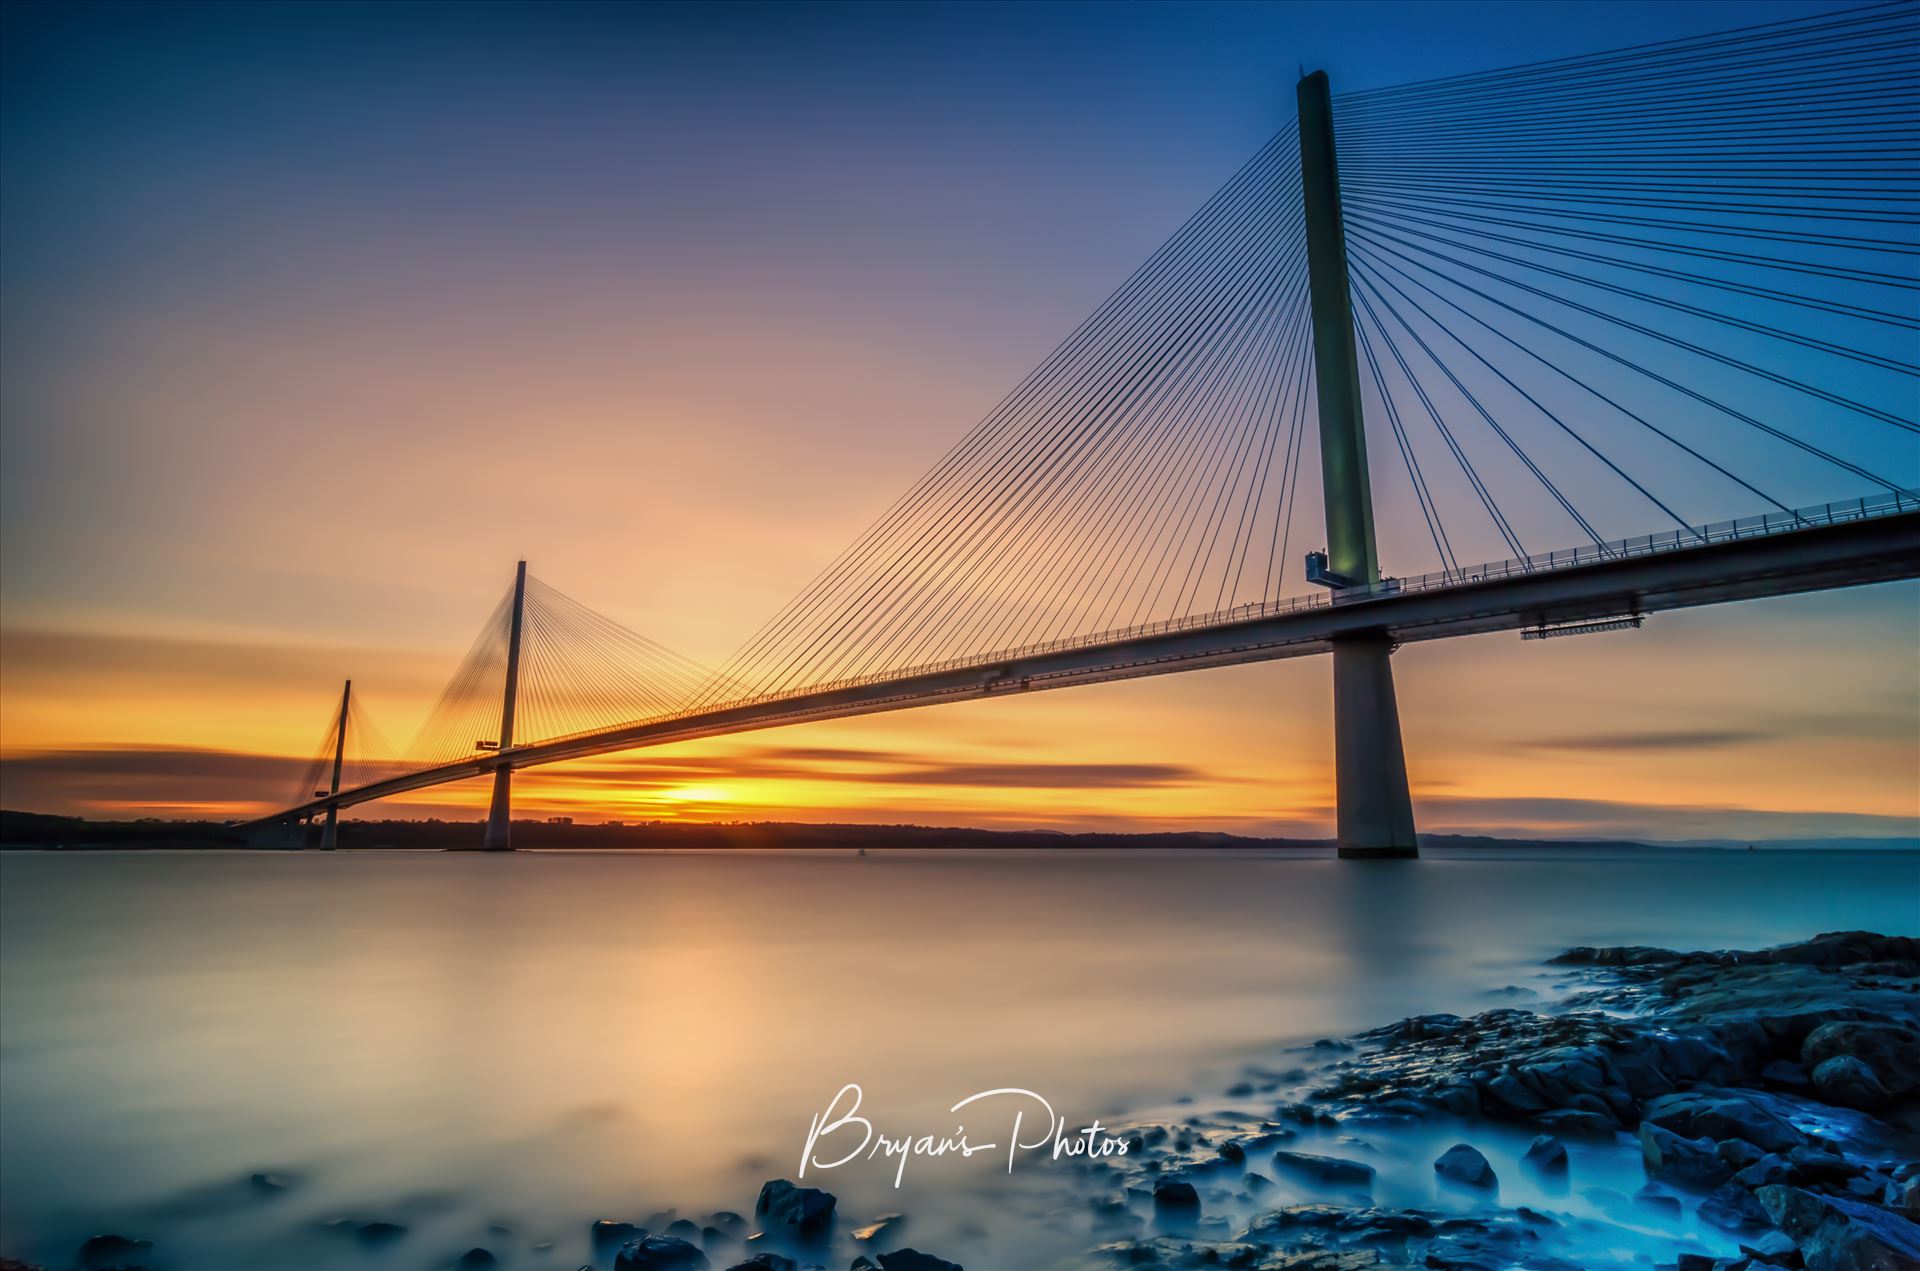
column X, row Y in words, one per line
column 1375, row 811
column 499, row 837
column 330, row 836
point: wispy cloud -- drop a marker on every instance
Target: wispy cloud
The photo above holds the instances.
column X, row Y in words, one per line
column 1667, row 739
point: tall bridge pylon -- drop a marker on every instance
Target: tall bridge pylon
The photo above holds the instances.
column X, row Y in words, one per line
column 1374, row 807
column 499, row 836
column 330, row 837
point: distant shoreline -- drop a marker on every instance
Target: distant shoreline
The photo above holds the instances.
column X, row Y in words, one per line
column 30, row 831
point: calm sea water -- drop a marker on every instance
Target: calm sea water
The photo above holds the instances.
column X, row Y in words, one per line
column 495, row 1050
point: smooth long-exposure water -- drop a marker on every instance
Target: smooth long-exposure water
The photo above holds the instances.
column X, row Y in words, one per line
column 495, row 1050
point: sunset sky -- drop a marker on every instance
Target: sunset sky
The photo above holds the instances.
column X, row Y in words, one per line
column 315, row 318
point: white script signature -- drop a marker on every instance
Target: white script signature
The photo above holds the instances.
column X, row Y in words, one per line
column 856, row 1138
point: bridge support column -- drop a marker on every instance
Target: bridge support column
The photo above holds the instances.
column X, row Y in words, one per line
column 330, row 836
column 499, row 835
column 1375, row 811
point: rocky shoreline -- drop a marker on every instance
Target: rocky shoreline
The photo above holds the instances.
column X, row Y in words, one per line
column 1766, row 1101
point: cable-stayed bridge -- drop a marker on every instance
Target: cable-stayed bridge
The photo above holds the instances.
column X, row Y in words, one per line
column 1641, row 328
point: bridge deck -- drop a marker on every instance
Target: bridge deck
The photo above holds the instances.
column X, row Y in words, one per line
column 1838, row 545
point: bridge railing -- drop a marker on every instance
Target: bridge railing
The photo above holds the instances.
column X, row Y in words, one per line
column 1888, row 504
column 1652, row 544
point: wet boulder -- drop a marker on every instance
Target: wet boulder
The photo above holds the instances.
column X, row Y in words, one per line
column 112, row 1253
column 1723, row 1114
column 1892, row 1051
column 607, row 1233
column 1771, row 1168
column 1836, row 1234
column 1574, row 1121
column 1851, row 1083
column 1463, row 1164
column 1546, row 1154
column 1329, row 1171
column 764, row 1261
column 1689, row 1162
column 659, row 1253
column 1733, row 1208
column 800, row 1211
column 1175, row 1196
column 476, row 1259
column 914, row 1260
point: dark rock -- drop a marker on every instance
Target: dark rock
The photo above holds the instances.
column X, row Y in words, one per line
column 1722, row 1114
column 769, row 1262
column 377, row 1232
column 1173, row 1195
column 659, row 1253
column 804, row 1211
column 1276, row 1226
column 1546, row 1154
column 684, row 1229
column 1572, row 1121
column 102, row 1252
column 1329, row 1170
column 1771, row 1168
column 914, row 1260
column 1813, row 1164
column 1866, row 1187
column 1892, row 1051
column 1688, row 1162
column 1617, row 955
column 1774, row 1245
column 267, row 1183
column 1302, row 1114
column 1787, row 1075
column 1851, row 1083
column 728, row 1221
column 1465, row 1165
column 476, row 1259
column 1835, row 1234
column 1732, row 1207
column 606, row 1233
